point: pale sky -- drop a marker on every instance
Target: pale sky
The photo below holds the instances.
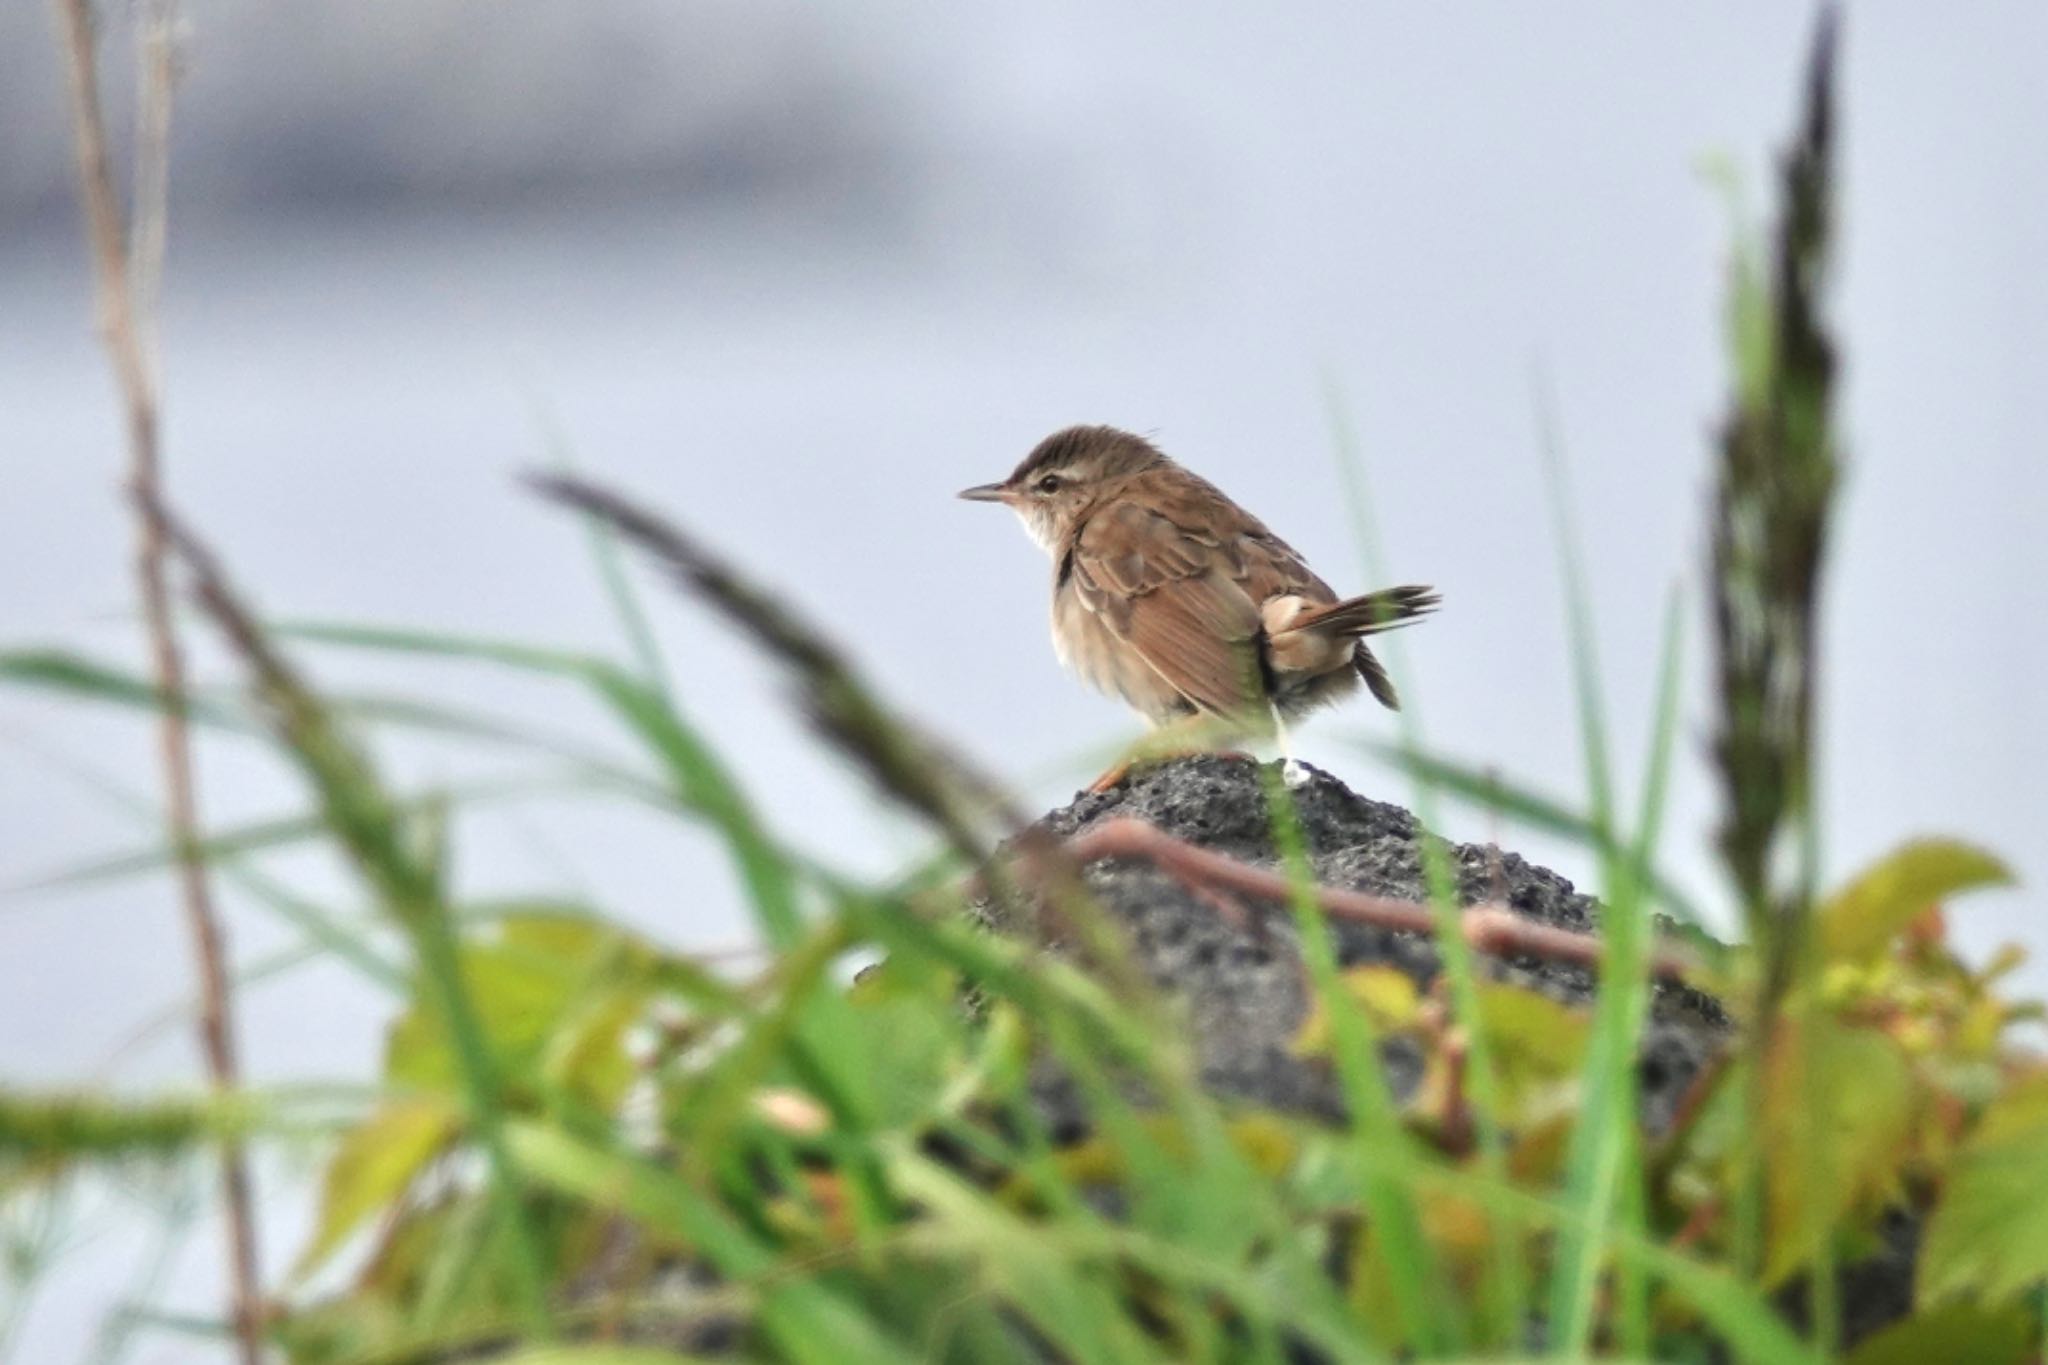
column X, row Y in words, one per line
column 1071, row 212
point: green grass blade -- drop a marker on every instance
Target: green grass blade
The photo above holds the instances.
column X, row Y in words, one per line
column 275, row 834
column 968, row 1222
column 75, row 676
column 1601, row 1137
column 1603, row 1167
column 1578, row 609
column 804, row 1318
column 1739, row 1312
column 1633, row 1308
column 316, row 922
column 704, row 784
column 610, row 563
column 700, row 780
column 1491, row 792
column 1506, row 1291
column 1422, row 1292
column 1065, row 1298
column 379, row 843
column 515, row 654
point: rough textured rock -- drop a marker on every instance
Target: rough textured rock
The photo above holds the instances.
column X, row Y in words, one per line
column 1243, row 987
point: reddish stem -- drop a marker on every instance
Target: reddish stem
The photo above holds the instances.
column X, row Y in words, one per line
column 1490, row 929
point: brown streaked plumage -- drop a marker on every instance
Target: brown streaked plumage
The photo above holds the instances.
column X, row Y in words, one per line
column 1171, row 596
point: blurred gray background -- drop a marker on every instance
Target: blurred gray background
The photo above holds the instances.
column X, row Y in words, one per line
column 799, row 272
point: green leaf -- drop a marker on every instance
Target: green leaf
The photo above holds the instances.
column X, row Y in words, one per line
column 1960, row 1332
column 1537, row 1041
column 374, row 1165
column 1837, row 1122
column 586, row 1053
column 1861, row 919
column 1388, row 995
column 554, row 995
column 1988, row 1236
column 901, row 1036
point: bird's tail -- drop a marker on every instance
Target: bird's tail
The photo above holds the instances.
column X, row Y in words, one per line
column 1371, row 613
column 1358, row 617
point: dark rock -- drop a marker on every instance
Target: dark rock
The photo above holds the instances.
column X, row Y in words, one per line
column 1244, row 988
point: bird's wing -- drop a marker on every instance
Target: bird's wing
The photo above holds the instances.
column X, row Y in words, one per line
column 1175, row 595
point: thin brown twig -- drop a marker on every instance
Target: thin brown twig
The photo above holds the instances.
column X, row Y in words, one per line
column 149, row 231
column 1456, row 1128
column 1697, row 1225
column 1491, row 929
column 125, row 330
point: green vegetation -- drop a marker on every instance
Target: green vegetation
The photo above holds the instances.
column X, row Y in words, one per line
column 588, row 1148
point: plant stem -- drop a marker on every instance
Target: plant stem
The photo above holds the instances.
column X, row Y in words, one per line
column 123, row 323
column 1489, row 929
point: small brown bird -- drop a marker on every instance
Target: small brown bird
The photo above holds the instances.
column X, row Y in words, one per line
column 1171, row 596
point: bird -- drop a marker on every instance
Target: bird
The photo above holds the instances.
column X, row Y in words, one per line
column 1168, row 594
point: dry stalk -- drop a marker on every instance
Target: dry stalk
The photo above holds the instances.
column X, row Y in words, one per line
column 125, row 286
column 905, row 762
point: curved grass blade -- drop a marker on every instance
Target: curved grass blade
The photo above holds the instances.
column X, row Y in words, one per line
column 1604, row 1166
column 266, row 836
column 971, row 1223
column 74, row 675
column 67, row 673
column 316, row 922
column 1506, row 1290
column 907, row 763
column 1531, row 808
column 699, row 779
column 378, row 840
column 804, row 1318
column 611, row 572
column 1604, row 1134
column 1422, row 1293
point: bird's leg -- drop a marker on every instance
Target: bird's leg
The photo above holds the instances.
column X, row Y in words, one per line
column 1292, row 771
column 1112, row 777
column 1196, row 734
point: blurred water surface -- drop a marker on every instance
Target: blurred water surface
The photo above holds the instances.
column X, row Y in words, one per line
column 798, row 278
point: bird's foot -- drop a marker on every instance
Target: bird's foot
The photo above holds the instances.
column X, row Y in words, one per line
column 1119, row 773
column 1112, row 778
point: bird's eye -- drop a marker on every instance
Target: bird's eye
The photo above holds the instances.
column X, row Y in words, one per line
column 1049, row 484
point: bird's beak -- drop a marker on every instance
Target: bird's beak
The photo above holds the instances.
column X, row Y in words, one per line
column 986, row 492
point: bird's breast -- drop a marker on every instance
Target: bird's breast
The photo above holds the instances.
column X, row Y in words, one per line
column 1087, row 647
